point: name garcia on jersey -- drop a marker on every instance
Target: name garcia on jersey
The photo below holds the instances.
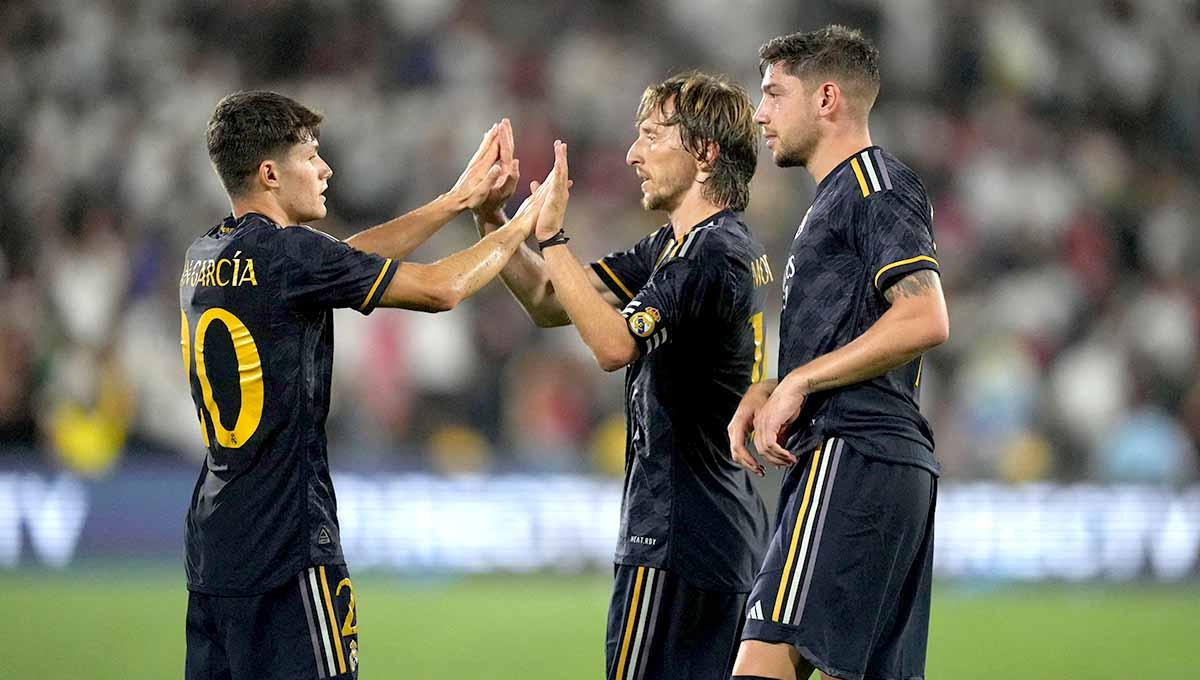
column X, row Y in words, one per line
column 223, row 272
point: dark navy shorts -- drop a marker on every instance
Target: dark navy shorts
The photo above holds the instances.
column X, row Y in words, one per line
column 660, row 627
column 846, row 580
column 306, row 628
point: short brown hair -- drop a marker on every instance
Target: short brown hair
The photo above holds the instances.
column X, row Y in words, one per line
column 248, row 127
column 710, row 108
column 834, row 52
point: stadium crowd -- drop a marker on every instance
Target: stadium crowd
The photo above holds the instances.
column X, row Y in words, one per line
column 1059, row 147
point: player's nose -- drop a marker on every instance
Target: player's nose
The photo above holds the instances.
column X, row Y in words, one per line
column 760, row 116
column 633, row 157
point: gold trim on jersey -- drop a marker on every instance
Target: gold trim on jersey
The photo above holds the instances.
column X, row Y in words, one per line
column 387, row 263
column 663, row 255
column 901, row 263
column 613, row 275
column 862, row 181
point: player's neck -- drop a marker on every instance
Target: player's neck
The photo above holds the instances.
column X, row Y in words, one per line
column 691, row 210
column 263, row 204
column 835, row 149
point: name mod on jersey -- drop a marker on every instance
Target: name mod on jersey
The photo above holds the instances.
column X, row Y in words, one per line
column 760, row 270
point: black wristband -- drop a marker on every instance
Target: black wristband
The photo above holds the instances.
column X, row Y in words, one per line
column 558, row 239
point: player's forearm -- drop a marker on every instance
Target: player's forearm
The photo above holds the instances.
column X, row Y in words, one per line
column 899, row 336
column 526, row 278
column 442, row 285
column 601, row 326
column 397, row 238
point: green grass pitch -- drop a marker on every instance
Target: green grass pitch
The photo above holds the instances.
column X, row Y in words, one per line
column 102, row 623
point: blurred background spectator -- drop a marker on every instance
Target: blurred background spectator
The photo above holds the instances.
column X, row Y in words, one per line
column 1060, row 149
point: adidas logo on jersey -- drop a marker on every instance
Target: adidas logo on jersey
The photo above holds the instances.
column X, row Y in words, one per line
column 756, row 611
column 323, row 537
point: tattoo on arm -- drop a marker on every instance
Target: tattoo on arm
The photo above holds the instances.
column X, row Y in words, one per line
column 914, row 285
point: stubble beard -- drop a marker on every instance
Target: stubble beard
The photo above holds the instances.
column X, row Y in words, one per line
column 669, row 198
column 795, row 156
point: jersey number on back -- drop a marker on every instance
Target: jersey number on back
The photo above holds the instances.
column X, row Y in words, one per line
column 250, row 377
column 760, row 349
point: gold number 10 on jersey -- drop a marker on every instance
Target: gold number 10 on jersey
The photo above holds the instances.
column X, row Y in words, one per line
column 250, row 377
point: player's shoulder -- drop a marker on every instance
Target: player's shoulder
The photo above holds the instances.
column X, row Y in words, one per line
column 722, row 235
column 232, row 232
column 301, row 242
column 302, row 233
column 653, row 242
column 875, row 175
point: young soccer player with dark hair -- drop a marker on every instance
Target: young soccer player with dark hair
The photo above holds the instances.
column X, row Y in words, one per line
column 845, row 585
column 270, row 595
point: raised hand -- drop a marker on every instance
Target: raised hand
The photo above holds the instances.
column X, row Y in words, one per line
column 559, row 184
column 527, row 216
column 483, row 173
column 492, row 206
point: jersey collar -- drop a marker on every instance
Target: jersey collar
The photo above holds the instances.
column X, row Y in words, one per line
column 248, row 219
column 711, row 219
column 837, row 171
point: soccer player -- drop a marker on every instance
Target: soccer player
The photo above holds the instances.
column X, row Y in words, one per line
column 689, row 329
column 845, row 584
column 270, row 595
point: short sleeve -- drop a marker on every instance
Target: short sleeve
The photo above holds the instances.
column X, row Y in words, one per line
column 324, row 272
column 896, row 238
column 664, row 308
column 626, row 271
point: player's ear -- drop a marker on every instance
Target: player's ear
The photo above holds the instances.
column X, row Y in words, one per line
column 706, row 160
column 268, row 174
column 829, row 96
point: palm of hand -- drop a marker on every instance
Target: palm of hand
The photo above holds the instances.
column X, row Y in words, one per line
column 497, row 196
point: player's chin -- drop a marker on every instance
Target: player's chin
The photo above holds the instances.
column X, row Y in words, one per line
column 656, row 202
column 783, row 159
column 319, row 211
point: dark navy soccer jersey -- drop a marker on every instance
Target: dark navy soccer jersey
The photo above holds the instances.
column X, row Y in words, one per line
column 257, row 332
column 870, row 225
column 695, row 309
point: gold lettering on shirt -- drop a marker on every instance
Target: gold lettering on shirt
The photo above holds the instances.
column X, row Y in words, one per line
column 221, row 272
column 760, row 270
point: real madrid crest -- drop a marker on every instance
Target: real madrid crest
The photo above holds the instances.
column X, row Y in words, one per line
column 642, row 323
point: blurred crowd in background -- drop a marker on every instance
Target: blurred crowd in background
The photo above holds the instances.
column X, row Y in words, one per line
column 1059, row 148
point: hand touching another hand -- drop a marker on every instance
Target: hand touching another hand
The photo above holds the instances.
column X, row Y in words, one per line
column 485, row 173
column 491, row 208
column 559, row 183
column 772, row 419
column 529, row 214
column 742, row 425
